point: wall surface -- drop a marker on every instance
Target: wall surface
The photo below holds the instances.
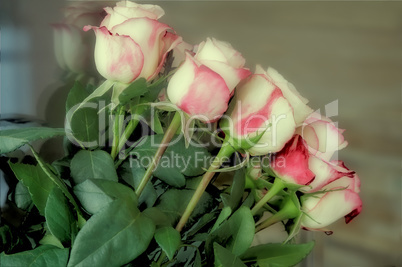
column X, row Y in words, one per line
column 349, row 52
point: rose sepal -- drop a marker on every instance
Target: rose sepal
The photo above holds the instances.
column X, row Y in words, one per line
column 289, row 209
column 240, row 143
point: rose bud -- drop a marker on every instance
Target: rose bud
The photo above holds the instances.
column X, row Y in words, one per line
column 72, row 46
column 341, row 199
column 259, row 109
column 203, row 84
column 131, row 42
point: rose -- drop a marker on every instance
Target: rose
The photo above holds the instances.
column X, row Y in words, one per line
column 340, row 199
column 131, row 42
column 332, row 188
column 204, row 83
column 264, row 105
column 72, row 46
column 307, row 155
column 295, row 165
column 335, row 185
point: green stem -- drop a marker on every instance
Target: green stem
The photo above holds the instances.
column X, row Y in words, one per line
column 117, row 131
column 275, row 189
column 161, row 258
column 170, row 132
column 288, row 211
column 126, row 134
column 226, row 151
column 270, row 221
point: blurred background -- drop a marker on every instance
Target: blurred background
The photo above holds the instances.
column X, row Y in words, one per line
column 346, row 56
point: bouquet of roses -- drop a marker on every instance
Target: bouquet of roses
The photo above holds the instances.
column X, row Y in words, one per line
column 181, row 156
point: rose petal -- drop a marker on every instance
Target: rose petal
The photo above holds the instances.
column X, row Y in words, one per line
column 291, row 163
column 117, row 58
column 148, row 34
column 298, row 103
column 181, row 81
column 129, row 10
column 330, row 207
column 325, row 173
column 169, row 41
column 231, row 75
column 216, row 50
column 260, row 107
column 350, row 180
column 323, row 130
column 151, row 11
column 199, row 91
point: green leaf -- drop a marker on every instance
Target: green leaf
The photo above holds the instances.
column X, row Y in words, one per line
column 22, row 197
column 237, row 190
column 38, row 257
column 157, row 216
column 133, row 175
column 37, row 182
column 249, row 201
column 236, row 234
column 277, row 255
column 294, row 227
column 202, row 222
column 50, row 239
column 91, row 197
column 6, row 239
column 188, row 256
column 225, row 213
column 92, row 165
column 79, row 95
column 173, row 203
column 13, row 139
column 59, row 218
column 114, row 236
column 95, row 194
column 50, row 173
column 241, row 226
column 82, row 118
column 168, row 239
column 155, row 88
column 224, row 258
column 135, row 89
column 177, row 161
column 156, row 124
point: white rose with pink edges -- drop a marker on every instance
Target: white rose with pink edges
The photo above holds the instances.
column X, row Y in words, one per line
column 131, row 43
column 203, row 84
